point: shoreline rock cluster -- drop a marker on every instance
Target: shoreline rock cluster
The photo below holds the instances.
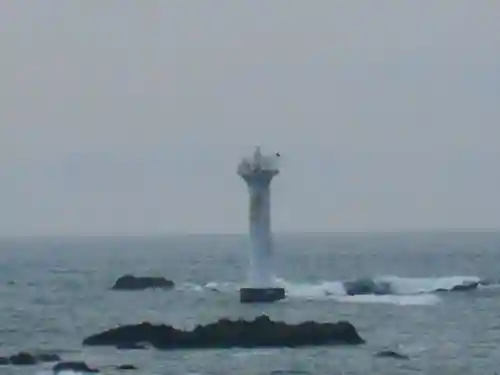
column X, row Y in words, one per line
column 28, row 359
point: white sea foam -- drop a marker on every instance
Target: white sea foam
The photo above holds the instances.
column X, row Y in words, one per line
column 421, row 299
column 401, row 290
column 335, row 290
column 405, row 285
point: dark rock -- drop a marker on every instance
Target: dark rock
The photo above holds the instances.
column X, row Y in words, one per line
column 261, row 295
column 225, row 333
column 48, row 357
column 391, row 354
column 367, row 286
column 73, row 366
column 126, row 367
column 130, row 282
column 465, row 286
column 22, row 359
column 488, row 282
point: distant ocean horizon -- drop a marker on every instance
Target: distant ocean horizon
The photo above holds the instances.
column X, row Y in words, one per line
column 275, row 232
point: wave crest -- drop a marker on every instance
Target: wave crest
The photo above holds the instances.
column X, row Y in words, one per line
column 383, row 289
column 409, row 286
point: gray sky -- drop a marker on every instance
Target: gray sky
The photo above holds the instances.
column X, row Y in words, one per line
column 126, row 116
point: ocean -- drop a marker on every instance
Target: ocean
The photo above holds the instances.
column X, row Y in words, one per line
column 56, row 291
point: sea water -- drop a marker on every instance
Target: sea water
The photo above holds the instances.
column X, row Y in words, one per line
column 56, row 291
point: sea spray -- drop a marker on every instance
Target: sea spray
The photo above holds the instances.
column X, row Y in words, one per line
column 401, row 290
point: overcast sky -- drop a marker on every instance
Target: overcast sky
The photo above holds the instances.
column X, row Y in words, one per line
column 126, row 116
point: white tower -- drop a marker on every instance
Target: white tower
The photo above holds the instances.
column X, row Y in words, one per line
column 258, row 173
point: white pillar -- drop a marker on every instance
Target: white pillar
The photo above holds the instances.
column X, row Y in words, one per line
column 260, row 273
column 258, row 174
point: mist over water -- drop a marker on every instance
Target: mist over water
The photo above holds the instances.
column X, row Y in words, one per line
column 56, row 291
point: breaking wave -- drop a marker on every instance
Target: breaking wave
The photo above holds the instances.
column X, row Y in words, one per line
column 409, row 286
column 383, row 289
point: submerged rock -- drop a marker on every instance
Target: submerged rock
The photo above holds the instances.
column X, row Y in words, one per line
column 489, row 281
column 130, row 282
column 391, row 354
column 465, row 286
column 126, row 367
column 25, row 358
column 225, row 333
column 73, row 366
column 22, row 359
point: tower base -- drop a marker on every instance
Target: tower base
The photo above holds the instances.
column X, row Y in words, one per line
column 263, row 295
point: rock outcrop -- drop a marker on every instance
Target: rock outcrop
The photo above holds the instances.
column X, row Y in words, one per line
column 28, row 359
column 367, row 286
column 126, row 367
column 225, row 333
column 130, row 282
column 73, row 366
column 23, row 358
column 465, row 286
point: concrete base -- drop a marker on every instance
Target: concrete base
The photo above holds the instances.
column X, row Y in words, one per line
column 255, row 295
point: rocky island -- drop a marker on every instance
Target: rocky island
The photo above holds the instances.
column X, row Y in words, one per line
column 130, row 282
column 225, row 333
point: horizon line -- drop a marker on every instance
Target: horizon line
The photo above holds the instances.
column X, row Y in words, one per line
column 276, row 233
